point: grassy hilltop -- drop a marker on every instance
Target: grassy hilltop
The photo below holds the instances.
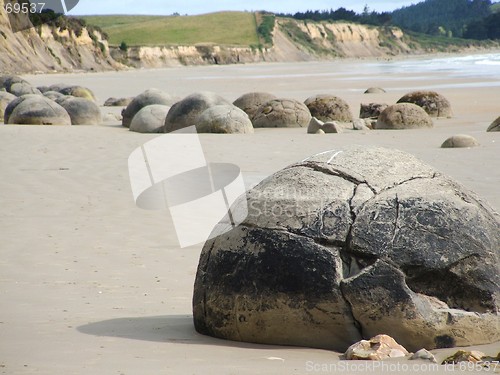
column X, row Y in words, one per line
column 227, row 28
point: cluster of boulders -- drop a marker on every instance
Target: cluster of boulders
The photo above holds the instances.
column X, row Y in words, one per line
column 59, row 104
column 348, row 244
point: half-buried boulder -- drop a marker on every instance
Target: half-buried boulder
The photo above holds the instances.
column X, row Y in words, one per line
column 282, row 113
column 252, row 101
column 150, row 119
column 79, row 92
column 5, row 99
column 185, row 113
column 148, row 97
column 329, row 108
column 82, row 111
column 348, row 244
column 460, row 141
column 403, row 116
column 35, row 110
column 225, row 119
column 495, row 126
column 436, row 105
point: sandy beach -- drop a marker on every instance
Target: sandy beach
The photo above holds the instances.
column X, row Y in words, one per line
column 92, row 284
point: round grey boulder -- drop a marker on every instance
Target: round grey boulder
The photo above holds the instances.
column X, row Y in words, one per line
column 495, row 126
column 403, row 116
column 225, row 119
column 329, row 108
column 150, row 119
column 54, row 95
column 7, row 80
column 252, row 101
column 81, row 111
column 36, row 110
column 5, row 99
column 350, row 243
column 79, row 92
column 436, row 105
column 460, row 141
column 185, row 113
column 282, row 113
column 22, row 88
column 118, row 102
column 148, row 97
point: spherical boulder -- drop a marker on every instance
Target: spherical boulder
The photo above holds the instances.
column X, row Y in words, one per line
column 252, row 101
column 22, row 88
column 7, row 80
column 460, row 141
column 54, row 95
column 403, row 116
column 5, row 99
column 185, row 113
column 36, row 110
column 350, row 243
column 150, row 119
column 226, row 119
column 282, row 113
column 436, row 105
column 329, row 108
column 79, row 92
column 148, row 97
column 81, row 111
column 495, row 126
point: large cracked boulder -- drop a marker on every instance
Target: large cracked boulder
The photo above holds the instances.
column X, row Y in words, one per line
column 327, row 107
column 252, row 101
column 348, row 244
column 403, row 116
column 185, row 113
column 35, row 110
column 224, row 119
column 436, row 105
column 282, row 113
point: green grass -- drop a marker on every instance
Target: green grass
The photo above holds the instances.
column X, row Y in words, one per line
column 224, row 28
column 495, row 7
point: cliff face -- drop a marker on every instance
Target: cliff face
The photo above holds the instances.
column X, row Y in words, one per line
column 46, row 49
column 292, row 41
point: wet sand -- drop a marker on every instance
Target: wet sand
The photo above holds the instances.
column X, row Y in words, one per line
column 91, row 284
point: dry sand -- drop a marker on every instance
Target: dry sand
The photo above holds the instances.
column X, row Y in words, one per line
column 91, row 284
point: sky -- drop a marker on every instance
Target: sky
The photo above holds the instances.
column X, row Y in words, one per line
column 168, row 7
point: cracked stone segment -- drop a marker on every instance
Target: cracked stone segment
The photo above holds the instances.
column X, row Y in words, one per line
column 371, row 239
column 282, row 113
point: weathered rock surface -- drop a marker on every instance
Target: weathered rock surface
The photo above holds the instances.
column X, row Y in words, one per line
column 252, row 101
column 424, row 354
column 282, row 113
column 79, row 92
column 404, row 116
column 148, row 97
column 348, row 244
column 150, row 119
column 436, row 105
column 495, row 126
column 81, row 111
column 473, row 356
column 54, row 95
column 35, row 110
column 459, row 141
column 226, row 119
column 377, row 348
column 185, row 113
column 372, row 110
column 117, row 102
column 329, row 108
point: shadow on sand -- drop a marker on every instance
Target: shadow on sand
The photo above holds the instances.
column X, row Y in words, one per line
column 167, row 328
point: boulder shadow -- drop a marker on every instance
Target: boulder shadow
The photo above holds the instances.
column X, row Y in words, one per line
column 178, row 329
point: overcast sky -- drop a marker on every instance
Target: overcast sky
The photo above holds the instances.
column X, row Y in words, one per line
column 162, row 7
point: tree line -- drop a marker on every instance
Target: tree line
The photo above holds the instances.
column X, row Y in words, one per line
column 473, row 19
